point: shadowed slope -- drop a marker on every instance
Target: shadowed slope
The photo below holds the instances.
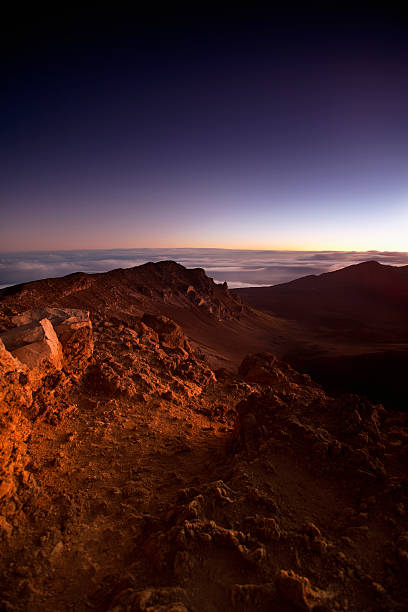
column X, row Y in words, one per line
column 367, row 298
column 352, row 327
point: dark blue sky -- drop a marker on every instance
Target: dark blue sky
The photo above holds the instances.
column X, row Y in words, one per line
column 227, row 130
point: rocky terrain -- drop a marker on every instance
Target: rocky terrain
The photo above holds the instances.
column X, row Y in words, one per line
column 157, row 454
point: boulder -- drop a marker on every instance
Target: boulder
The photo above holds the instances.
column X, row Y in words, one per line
column 170, row 334
column 266, row 369
column 261, row 368
column 298, row 591
column 75, row 334
column 64, row 320
column 34, row 343
column 73, row 329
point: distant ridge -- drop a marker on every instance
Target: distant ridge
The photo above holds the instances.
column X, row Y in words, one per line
column 348, row 329
column 368, row 294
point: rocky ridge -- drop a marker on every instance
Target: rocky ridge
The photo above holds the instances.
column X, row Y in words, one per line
column 143, row 288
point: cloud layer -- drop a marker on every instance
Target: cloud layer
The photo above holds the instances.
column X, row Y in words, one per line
column 239, row 268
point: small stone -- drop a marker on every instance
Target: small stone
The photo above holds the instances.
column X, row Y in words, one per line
column 379, row 589
column 56, row 552
column 298, row 591
column 205, row 538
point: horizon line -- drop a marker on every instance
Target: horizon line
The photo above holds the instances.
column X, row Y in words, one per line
column 287, row 250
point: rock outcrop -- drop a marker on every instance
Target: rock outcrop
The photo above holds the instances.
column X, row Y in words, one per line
column 156, row 359
column 39, row 367
column 266, row 369
column 61, row 337
column 15, row 397
column 170, row 334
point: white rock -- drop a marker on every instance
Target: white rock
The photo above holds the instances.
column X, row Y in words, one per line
column 34, row 343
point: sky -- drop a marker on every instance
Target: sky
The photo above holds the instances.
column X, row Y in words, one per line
column 226, row 130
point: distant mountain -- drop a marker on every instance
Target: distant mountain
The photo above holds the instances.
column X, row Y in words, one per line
column 363, row 299
column 348, row 329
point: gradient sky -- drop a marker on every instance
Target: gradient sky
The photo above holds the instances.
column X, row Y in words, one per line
column 228, row 130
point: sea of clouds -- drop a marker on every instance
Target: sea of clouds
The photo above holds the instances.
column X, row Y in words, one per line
column 240, row 268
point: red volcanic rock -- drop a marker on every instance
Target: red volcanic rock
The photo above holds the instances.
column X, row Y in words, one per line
column 157, row 356
column 298, row 591
column 32, row 383
column 15, row 396
column 266, row 369
column 151, row 600
column 13, row 378
column 62, row 337
column 260, row 368
column 169, row 333
column 74, row 330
